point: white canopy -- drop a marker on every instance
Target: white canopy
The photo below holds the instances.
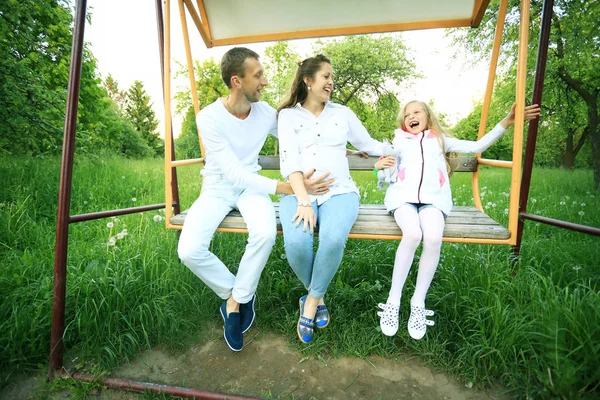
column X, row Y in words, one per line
column 227, row 22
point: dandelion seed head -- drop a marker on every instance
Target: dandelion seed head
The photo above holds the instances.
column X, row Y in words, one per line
column 582, row 204
column 122, row 176
column 157, row 218
column 534, row 201
column 111, row 241
column 489, row 203
column 84, row 202
column 133, row 199
column 576, row 267
column 493, row 205
column 506, row 211
column 562, row 203
column 110, row 225
column 581, row 213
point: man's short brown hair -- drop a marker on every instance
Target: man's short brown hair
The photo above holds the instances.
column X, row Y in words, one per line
column 232, row 63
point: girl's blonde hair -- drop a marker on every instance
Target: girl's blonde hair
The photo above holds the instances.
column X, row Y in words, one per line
column 434, row 125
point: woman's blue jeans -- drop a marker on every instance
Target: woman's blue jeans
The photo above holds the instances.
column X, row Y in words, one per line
column 335, row 218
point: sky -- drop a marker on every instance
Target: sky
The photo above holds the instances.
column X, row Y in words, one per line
column 124, row 40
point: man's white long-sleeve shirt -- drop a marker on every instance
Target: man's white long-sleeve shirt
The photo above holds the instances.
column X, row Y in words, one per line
column 232, row 144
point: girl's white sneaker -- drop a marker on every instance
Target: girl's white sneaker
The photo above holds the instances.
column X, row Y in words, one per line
column 417, row 323
column 388, row 318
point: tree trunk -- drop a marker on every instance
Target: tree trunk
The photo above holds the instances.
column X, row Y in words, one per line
column 568, row 157
column 595, row 140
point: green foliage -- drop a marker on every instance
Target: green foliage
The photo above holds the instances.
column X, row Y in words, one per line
column 570, row 119
column 209, row 85
column 187, row 144
column 35, row 50
column 139, row 111
column 35, row 47
column 366, row 65
column 536, row 333
column 114, row 92
column 281, row 62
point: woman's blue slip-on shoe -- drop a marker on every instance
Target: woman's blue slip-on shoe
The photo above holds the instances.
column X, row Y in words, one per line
column 305, row 325
column 232, row 329
column 322, row 317
column 247, row 314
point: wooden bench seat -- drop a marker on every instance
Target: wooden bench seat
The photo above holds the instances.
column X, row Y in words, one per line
column 375, row 222
column 373, row 219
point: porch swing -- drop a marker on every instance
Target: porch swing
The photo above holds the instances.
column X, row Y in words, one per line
column 465, row 224
column 272, row 20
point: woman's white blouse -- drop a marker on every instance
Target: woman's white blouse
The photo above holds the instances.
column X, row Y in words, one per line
column 307, row 142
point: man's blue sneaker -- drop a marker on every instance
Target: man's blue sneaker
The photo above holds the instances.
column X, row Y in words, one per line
column 232, row 330
column 247, row 314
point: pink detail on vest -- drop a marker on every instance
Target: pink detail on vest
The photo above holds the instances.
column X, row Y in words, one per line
column 401, row 174
column 431, row 135
column 441, row 177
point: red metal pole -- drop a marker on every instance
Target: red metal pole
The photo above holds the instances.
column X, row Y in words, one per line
column 64, row 193
column 126, row 384
column 590, row 230
column 538, row 88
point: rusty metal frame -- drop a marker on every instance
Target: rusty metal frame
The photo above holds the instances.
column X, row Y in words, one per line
column 532, row 132
column 56, row 368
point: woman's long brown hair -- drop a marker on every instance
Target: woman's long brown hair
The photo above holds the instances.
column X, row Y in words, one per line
column 306, row 69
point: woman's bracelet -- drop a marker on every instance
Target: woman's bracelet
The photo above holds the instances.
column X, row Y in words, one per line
column 375, row 171
column 304, row 204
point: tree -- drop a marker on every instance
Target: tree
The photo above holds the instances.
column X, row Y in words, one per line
column 367, row 66
column 139, row 111
column 572, row 84
column 209, row 85
column 281, row 62
column 367, row 71
column 35, row 43
column 187, row 144
column 114, row 92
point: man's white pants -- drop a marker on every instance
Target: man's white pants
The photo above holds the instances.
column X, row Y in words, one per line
column 218, row 198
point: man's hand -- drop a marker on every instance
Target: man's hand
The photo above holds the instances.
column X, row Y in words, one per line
column 356, row 153
column 318, row 185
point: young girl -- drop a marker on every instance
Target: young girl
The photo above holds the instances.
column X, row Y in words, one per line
column 420, row 200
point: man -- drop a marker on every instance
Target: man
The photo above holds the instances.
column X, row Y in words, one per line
column 234, row 129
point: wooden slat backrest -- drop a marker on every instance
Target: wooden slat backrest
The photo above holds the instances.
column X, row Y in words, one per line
column 358, row 163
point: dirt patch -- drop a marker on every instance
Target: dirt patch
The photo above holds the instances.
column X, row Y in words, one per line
column 269, row 368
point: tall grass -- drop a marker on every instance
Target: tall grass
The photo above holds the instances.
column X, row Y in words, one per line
column 537, row 332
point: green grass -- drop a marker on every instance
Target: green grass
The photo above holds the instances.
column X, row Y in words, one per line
column 537, row 333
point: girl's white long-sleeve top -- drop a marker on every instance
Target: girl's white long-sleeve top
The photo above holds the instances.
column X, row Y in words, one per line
column 422, row 174
column 232, row 144
column 307, row 142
